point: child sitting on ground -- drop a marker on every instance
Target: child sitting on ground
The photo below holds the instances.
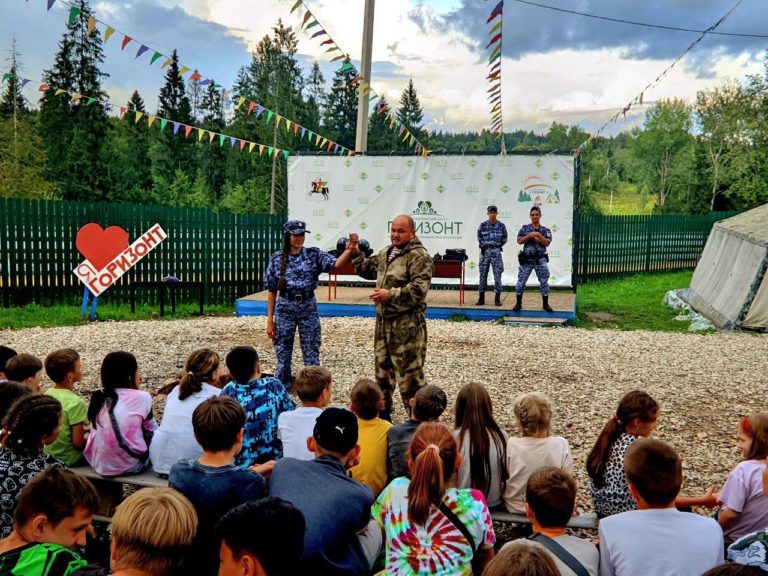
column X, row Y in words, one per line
column 657, row 538
column 212, row 483
column 32, row 422
column 535, row 449
column 121, row 419
column 367, row 401
column 263, row 398
column 25, row 369
column 427, row 405
column 174, row 439
column 550, row 498
column 313, row 386
column 635, row 417
column 52, row 519
column 65, row 369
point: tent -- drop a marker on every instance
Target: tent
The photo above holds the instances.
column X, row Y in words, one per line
column 730, row 284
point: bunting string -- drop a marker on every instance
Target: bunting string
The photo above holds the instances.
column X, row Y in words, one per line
column 638, row 100
column 495, row 19
column 311, row 25
column 95, row 25
column 177, row 127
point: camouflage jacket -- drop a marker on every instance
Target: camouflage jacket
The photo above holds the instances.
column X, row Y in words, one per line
column 407, row 277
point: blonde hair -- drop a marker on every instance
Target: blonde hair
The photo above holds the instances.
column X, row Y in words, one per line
column 534, row 414
column 153, row 530
column 522, row 558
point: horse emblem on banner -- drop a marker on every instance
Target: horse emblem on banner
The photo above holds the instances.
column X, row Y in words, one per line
column 319, row 186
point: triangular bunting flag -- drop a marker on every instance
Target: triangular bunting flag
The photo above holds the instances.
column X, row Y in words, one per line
column 269, row 116
column 317, row 139
column 339, row 57
column 496, row 27
column 121, row 112
column 24, row 82
column 73, row 14
column 271, row 151
column 91, row 25
column 167, row 63
column 312, row 24
column 155, row 57
column 211, row 136
column 43, row 87
column 232, row 141
column 221, row 139
column 318, row 33
column 251, row 106
column 296, row 5
column 346, row 66
column 251, row 146
column 240, row 101
column 50, row 4
column 285, row 153
column 141, row 51
column 309, row 135
column 324, row 42
column 303, row 131
column 176, row 127
column 307, row 16
column 278, row 121
column 59, row 92
column 151, row 120
column 126, row 41
column 108, row 33
column 261, row 149
column 295, row 129
column 242, row 144
column 200, row 134
column 138, row 117
column 288, row 125
column 183, row 71
column 259, row 110
column 163, row 124
column 90, row 101
column 187, row 131
column 196, row 76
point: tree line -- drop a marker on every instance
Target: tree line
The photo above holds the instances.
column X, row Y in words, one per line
column 689, row 158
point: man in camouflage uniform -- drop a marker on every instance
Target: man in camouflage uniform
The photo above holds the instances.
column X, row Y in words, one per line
column 491, row 236
column 535, row 238
column 403, row 274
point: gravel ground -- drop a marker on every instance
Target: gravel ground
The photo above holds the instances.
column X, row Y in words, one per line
column 704, row 383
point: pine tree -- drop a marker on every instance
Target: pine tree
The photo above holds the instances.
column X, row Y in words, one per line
column 74, row 125
column 381, row 138
column 12, row 103
column 211, row 157
column 316, row 99
column 195, row 93
column 411, row 115
column 341, row 112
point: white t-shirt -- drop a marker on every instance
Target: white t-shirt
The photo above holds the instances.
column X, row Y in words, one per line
column 524, row 457
column 293, row 429
column 465, row 479
column 659, row 541
column 175, row 439
column 583, row 550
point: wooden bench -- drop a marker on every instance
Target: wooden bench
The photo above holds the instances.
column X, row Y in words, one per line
column 110, row 489
column 584, row 521
column 173, row 287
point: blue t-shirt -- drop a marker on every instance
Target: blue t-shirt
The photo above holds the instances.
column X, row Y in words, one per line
column 263, row 401
column 335, row 507
column 213, row 491
column 302, row 271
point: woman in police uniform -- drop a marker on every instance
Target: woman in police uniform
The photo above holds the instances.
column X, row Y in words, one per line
column 292, row 277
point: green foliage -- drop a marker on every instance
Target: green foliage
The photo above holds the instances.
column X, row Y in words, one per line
column 22, row 161
column 341, row 112
column 13, row 104
column 411, row 115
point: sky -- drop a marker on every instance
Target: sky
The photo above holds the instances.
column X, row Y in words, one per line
column 555, row 66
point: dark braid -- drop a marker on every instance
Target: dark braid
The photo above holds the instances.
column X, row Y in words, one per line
column 29, row 420
column 284, row 261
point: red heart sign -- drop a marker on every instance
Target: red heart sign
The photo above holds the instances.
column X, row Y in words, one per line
column 101, row 246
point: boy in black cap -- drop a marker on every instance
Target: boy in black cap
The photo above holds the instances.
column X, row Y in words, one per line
column 491, row 236
column 339, row 537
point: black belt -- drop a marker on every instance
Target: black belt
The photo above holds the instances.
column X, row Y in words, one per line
column 298, row 296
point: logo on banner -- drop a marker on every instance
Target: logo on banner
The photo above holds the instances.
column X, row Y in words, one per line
column 430, row 224
column 319, row 187
column 534, row 189
column 108, row 256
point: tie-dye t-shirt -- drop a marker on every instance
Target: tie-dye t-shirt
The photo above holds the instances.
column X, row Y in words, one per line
column 437, row 547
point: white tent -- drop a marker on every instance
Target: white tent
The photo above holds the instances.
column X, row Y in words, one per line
column 730, row 284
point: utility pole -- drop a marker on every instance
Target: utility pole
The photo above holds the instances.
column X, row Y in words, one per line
column 361, row 139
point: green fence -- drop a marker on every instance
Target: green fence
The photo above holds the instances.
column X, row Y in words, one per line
column 617, row 245
column 228, row 252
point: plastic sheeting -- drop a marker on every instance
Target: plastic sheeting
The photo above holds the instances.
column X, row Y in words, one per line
column 687, row 314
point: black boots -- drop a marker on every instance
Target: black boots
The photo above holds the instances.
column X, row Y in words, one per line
column 480, row 299
column 497, row 300
column 545, row 304
column 518, row 303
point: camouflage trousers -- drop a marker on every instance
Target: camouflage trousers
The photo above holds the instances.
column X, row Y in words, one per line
column 491, row 259
column 288, row 317
column 541, row 268
column 400, row 348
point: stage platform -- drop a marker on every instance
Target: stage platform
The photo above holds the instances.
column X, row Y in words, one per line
column 441, row 304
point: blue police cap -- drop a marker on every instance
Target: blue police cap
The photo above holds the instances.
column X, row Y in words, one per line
column 295, row 227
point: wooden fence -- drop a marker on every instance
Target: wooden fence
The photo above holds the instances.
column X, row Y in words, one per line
column 229, row 253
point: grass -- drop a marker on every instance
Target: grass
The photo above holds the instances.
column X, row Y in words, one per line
column 626, row 201
column 634, row 303
column 32, row 315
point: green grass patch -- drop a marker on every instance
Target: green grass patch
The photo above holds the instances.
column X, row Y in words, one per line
column 33, row 316
column 631, row 303
column 627, row 200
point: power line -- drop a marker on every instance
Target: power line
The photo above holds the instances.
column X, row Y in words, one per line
column 635, row 23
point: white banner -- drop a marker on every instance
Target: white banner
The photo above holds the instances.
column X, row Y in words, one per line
column 447, row 196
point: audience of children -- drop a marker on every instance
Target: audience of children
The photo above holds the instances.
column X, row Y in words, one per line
column 427, row 405
column 482, row 444
column 10, row 391
column 65, row 369
column 6, row 354
column 25, row 369
column 121, row 419
column 521, row 558
column 313, row 387
column 261, row 537
column 174, row 439
column 51, row 520
column 744, row 506
column 32, row 422
column 212, row 482
column 656, row 538
column 419, row 516
column 340, row 537
column 536, row 448
column 366, row 401
column 263, row 398
column 635, row 417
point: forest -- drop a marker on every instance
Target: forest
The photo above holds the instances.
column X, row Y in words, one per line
column 711, row 154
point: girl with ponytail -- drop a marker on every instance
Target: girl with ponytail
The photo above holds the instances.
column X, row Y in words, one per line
column 121, row 419
column 175, row 439
column 431, row 527
column 31, row 423
column 634, row 418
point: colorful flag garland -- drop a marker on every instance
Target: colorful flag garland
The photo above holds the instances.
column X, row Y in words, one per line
column 496, row 18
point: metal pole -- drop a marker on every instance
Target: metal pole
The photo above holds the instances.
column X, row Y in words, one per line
column 361, row 139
